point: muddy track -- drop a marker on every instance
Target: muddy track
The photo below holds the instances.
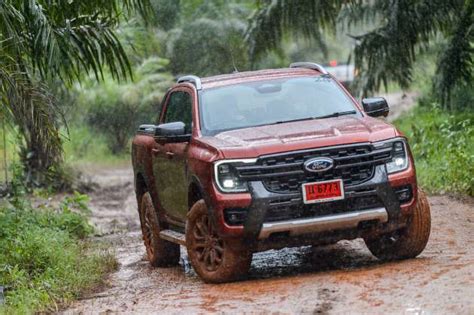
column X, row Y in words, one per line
column 339, row 279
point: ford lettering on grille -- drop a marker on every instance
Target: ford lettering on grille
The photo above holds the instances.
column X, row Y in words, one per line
column 319, row 164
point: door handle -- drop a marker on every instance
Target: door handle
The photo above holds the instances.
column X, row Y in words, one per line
column 169, row 154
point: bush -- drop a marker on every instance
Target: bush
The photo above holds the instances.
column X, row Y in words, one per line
column 45, row 260
column 209, row 47
column 115, row 110
column 442, row 145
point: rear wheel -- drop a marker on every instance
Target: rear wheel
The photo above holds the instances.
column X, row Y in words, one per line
column 214, row 259
column 160, row 253
column 408, row 242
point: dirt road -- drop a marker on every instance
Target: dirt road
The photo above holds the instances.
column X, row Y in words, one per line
column 340, row 279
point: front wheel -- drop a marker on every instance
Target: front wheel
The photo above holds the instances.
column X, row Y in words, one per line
column 214, row 259
column 408, row 242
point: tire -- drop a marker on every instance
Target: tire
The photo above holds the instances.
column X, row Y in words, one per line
column 214, row 259
column 408, row 242
column 161, row 253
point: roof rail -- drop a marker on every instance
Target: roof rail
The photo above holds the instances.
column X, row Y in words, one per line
column 192, row 79
column 309, row 65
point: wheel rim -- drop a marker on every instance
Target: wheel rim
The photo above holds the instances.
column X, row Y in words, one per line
column 147, row 231
column 209, row 248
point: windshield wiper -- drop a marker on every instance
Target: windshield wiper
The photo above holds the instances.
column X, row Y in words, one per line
column 291, row 120
column 337, row 114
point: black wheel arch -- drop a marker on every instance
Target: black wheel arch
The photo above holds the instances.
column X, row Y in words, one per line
column 196, row 191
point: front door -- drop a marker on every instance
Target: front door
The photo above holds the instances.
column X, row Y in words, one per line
column 170, row 162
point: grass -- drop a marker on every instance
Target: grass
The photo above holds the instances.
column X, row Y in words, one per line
column 443, row 147
column 85, row 146
column 46, row 259
column 82, row 146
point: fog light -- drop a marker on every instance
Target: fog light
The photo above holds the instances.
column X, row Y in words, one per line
column 235, row 216
column 404, row 193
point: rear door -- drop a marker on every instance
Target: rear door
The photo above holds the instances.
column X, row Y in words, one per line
column 170, row 162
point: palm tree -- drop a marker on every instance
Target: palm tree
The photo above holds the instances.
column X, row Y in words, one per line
column 45, row 39
column 403, row 28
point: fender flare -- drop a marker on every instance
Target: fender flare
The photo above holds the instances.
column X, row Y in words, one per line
column 194, row 180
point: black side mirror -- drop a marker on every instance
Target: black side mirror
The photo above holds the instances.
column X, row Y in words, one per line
column 375, row 106
column 171, row 132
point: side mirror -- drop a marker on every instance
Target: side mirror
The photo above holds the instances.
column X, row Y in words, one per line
column 171, row 132
column 375, row 106
column 147, row 129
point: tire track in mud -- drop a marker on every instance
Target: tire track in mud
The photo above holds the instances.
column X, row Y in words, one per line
column 338, row 279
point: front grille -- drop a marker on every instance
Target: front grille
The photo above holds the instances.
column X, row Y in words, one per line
column 285, row 211
column 285, row 173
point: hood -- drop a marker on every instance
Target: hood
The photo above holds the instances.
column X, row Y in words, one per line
column 262, row 140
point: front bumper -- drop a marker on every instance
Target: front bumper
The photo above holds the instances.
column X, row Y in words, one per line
column 331, row 222
column 345, row 220
column 263, row 201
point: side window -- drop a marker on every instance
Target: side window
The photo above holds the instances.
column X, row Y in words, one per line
column 179, row 108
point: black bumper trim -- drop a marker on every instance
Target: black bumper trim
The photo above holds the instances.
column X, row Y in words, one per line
column 262, row 200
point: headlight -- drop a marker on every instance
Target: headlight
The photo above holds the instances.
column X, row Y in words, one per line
column 227, row 178
column 399, row 160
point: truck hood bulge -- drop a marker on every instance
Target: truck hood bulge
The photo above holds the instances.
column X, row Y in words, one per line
column 256, row 141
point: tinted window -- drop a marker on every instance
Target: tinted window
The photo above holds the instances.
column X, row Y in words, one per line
column 180, row 109
column 272, row 101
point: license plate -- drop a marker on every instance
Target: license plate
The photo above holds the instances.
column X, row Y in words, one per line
column 329, row 190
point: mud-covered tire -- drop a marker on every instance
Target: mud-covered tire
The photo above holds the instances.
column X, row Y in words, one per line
column 410, row 241
column 161, row 253
column 214, row 259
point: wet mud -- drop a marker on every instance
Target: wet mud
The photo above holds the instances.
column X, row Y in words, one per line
column 339, row 279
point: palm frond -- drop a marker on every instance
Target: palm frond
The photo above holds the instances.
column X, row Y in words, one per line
column 31, row 108
column 77, row 44
column 44, row 39
column 279, row 17
column 388, row 52
column 455, row 66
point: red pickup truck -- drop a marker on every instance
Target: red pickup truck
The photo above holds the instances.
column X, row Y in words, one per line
column 259, row 160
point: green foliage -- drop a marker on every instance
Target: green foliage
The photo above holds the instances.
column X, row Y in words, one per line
column 43, row 40
column 277, row 18
column 28, row 106
column 209, row 38
column 44, row 262
column 388, row 52
column 455, row 66
column 88, row 146
column 396, row 33
column 166, row 13
column 209, row 47
column 59, row 178
column 442, row 145
column 462, row 97
column 115, row 110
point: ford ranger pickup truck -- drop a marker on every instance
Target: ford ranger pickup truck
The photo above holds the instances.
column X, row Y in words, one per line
column 251, row 161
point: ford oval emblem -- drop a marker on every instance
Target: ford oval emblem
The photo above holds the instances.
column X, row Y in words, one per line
column 319, row 164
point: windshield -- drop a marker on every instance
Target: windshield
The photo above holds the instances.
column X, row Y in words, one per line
column 271, row 102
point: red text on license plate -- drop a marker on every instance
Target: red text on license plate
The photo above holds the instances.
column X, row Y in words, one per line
column 323, row 191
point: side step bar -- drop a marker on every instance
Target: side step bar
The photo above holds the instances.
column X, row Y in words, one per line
column 173, row 236
column 324, row 223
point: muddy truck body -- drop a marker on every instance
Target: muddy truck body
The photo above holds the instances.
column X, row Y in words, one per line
column 251, row 161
